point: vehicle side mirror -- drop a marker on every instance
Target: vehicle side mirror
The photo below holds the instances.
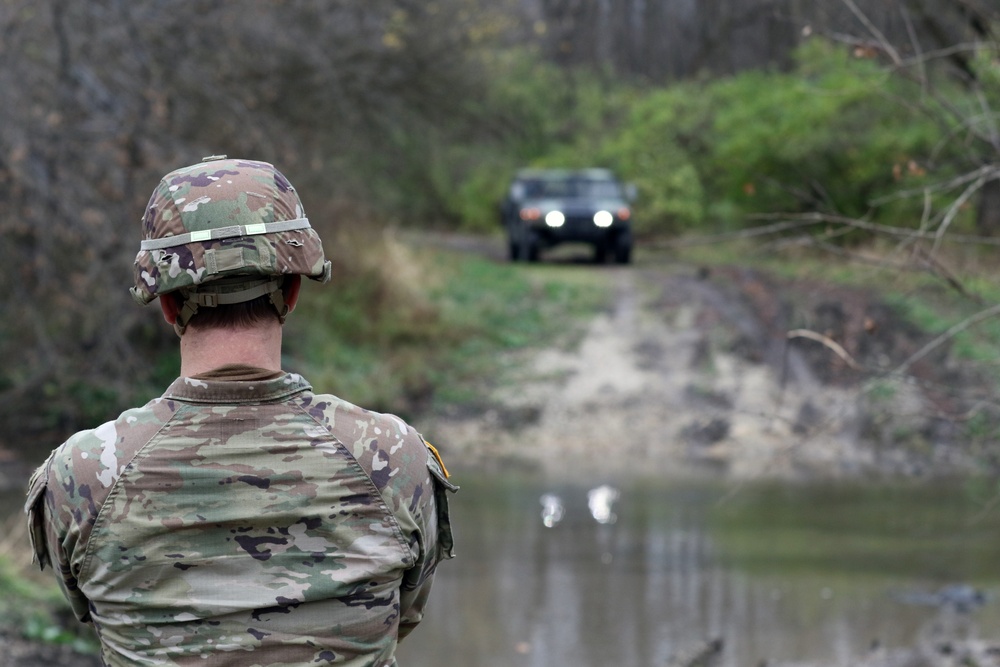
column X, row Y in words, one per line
column 631, row 193
column 517, row 191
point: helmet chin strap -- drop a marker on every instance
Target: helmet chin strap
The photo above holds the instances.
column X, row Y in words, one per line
column 226, row 292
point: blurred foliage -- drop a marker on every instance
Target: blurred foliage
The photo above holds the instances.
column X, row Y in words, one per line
column 414, row 114
column 352, row 102
column 31, row 601
column 435, row 333
column 829, row 135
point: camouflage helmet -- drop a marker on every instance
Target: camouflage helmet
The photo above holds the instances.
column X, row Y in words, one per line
column 224, row 231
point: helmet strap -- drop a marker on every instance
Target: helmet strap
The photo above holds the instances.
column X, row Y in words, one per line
column 278, row 301
column 226, row 293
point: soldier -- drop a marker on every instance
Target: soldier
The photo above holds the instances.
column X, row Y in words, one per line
column 240, row 519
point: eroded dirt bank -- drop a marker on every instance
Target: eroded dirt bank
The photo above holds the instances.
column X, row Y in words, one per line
column 693, row 371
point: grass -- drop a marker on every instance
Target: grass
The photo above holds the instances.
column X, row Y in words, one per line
column 422, row 328
column 30, row 600
column 505, row 308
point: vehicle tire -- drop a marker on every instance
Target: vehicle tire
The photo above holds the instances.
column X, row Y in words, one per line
column 531, row 246
column 600, row 252
column 524, row 246
column 623, row 249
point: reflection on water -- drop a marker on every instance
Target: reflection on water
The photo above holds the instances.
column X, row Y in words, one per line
column 780, row 573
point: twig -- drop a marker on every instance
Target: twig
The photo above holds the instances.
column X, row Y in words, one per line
column 989, row 118
column 947, row 335
column 956, row 182
column 937, row 267
column 888, row 230
column 801, row 220
column 955, row 207
column 763, row 230
column 927, row 56
column 828, row 342
column 885, row 44
column 921, row 63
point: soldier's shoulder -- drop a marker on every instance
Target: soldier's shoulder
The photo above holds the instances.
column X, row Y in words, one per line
column 361, row 422
column 387, row 446
column 117, row 438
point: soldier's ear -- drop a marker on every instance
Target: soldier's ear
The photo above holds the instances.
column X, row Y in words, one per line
column 290, row 290
column 168, row 304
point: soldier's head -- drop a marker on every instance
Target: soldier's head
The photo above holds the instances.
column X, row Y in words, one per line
column 226, row 241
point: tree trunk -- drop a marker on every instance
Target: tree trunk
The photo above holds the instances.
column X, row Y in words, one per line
column 988, row 215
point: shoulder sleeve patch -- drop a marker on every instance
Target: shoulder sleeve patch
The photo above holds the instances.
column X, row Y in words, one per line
column 442, row 486
column 437, row 457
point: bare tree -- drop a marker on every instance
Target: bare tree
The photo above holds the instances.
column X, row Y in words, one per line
column 665, row 40
column 103, row 97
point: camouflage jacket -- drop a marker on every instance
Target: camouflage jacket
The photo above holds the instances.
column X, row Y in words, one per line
column 244, row 523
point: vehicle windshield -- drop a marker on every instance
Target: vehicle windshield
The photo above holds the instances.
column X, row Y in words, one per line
column 574, row 188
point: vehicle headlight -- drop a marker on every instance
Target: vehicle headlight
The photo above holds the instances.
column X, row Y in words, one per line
column 530, row 214
column 555, row 219
column 603, row 219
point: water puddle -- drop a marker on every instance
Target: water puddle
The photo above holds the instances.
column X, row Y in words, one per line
column 648, row 571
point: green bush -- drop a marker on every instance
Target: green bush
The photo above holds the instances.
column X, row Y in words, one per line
column 414, row 327
column 647, row 151
column 837, row 134
column 830, row 136
column 536, row 114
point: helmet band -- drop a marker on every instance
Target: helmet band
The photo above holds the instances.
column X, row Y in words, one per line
column 225, row 233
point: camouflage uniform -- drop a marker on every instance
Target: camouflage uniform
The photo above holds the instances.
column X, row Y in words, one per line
column 244, row 523
column 241, row 519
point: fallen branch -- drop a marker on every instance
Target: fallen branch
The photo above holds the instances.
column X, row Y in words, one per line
column 828, row 342
column 787, row 222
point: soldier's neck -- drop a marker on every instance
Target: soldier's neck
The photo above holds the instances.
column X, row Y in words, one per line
column 203, row 350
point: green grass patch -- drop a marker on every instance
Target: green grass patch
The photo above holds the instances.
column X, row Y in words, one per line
column 502, row 308
column 444, row 340
column 35, row 606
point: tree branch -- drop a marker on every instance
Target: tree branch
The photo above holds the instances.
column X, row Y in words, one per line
column 876, row 33
column 826, row 341
column 953, row 331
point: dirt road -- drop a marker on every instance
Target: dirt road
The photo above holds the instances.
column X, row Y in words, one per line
column 692, row 371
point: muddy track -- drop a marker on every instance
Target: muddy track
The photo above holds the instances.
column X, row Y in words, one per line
column 691, row 371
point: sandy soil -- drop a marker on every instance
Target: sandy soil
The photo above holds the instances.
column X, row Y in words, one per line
column 691, row 373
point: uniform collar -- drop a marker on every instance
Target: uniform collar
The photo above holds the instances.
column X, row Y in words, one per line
column 194, row 390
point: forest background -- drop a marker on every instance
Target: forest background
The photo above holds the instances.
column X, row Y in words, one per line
column 852, row 122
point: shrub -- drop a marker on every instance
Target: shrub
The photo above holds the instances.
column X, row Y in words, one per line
column 827, row 137
column 834, row 135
